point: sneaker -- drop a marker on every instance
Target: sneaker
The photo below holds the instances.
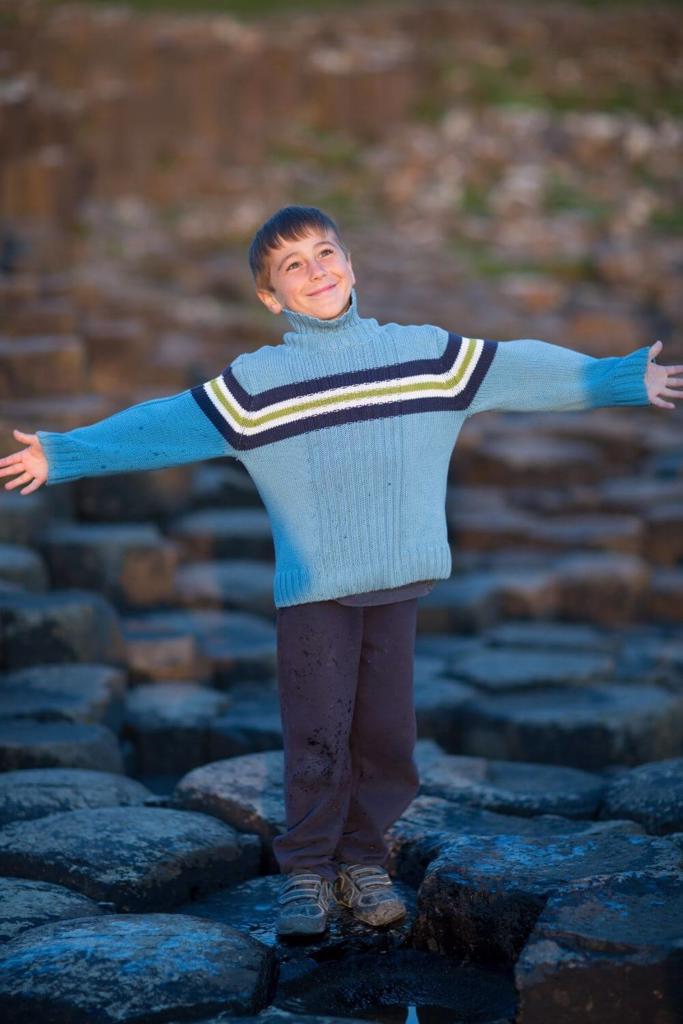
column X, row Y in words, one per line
column 303, row 903
column 368, row 891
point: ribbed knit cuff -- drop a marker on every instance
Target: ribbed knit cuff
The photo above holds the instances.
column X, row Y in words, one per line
column 626, row 382
column 63, row 463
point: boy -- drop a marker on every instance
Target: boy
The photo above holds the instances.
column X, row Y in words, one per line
column 347, row 429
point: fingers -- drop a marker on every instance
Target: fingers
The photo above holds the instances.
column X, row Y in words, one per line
column 23, row 479
column 24, row 437
column 10, row 460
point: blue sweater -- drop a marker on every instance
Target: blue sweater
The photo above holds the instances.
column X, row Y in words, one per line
column 347, row 429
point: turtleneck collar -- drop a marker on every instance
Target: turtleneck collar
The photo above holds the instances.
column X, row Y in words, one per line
column 309, row 331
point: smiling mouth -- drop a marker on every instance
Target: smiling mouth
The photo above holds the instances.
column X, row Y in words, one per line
column 323, row 290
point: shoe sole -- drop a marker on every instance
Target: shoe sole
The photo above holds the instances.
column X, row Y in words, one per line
column 386, row 913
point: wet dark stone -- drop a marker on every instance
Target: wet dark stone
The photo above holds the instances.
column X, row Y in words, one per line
column 651, row 794
column 168, row 725
column 550, row 636
column 252, row 908
column 35, row 792
column 361, row 983
column 513, row 787
column 139, row 858
column 28, row 744
column 247, row 792
column 609, row 951
column 481, row 896
column 428, row 825
column 438, row 705
column 133, row 967
column 60, row 626
column 587, row 727
column 239, row 583
column 251, row 723
column 499, row 670
column 77, row 693
column 27, row 904
column 23, row 566
column 238, row 645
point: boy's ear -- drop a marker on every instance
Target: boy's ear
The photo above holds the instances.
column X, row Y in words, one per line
column 269, row 300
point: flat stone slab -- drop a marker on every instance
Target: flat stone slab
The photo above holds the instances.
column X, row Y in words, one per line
column 133, row 967
column 168, row 725
column 25, row 904
column 76, row 693
column 613, row 944
column 604, row 587
column 429, row 823
column 224, row 533
column 500, row 669
column 245, row 584
column 481, row 896
column 138, row 858
column 25, row 743
column 587, row 727
column 651, row 794
column 237, row 645
column 438, row 704
column 554, row 636
column 59, row 626
column 252, row 722
column 246, row 792
column 23, row 566
column 513, row 787
column 251, row 907
column 36, row 792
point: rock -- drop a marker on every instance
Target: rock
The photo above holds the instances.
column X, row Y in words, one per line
column 234, row 583
column 30, row 744
column 247, row 792
column 481, row 896
column 130, row 563
column 511, row 787
column 438, row 703
column 586, row 727
column 251, row 723
column 67, row 625
column 35, row 792
column 224, row 484
column 77, row 693
column 651, row 794
column 124, row 967
column 151, row 656
column 251, row 907
column 25, row 905
column 500, row 670
column 236, row 645
column 663, row 535
column 138, row 858
column 429, row 823
column 21, row 565
column 22, row 516
column 664, row 600
column 536, row 459
column 48, row 365
column 608, row 950
column 137, row 496
column 604, row 587
column 169, row 725
column 556, row 636
column 224, row 533
column 365, row 983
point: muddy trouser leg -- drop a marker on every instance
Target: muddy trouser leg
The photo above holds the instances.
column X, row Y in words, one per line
column 318, row 655
column 385, row 777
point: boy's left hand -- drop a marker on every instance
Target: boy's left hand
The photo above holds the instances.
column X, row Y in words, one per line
column 660, row 380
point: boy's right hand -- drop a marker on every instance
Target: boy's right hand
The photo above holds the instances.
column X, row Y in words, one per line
column 30, row 462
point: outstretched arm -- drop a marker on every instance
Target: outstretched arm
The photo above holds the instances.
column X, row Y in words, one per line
column 203, row 422
column 531, row 375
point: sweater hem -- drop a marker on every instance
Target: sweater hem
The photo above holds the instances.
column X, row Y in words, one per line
column 326, row 583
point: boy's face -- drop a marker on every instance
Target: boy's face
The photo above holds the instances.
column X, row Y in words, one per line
column 309, row 275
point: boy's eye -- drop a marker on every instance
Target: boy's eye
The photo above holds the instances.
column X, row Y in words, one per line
column 296, row 263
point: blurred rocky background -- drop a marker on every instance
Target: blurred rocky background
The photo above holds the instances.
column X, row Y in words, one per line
column 500, row 169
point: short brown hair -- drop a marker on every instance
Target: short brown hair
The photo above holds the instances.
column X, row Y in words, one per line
column 288, row 223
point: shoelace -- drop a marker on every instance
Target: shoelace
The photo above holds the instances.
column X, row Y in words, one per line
column 302, row 887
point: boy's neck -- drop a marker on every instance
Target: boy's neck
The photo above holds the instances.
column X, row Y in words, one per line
column 307, row 329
